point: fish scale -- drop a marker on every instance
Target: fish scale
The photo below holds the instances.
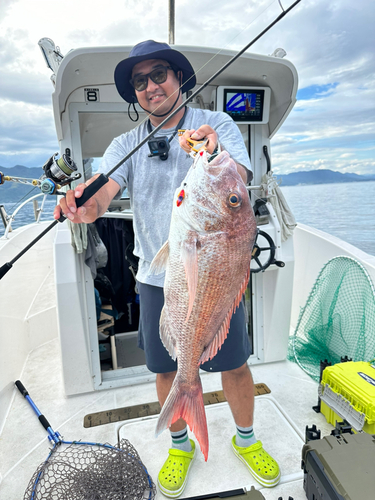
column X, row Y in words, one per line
column 207, row 263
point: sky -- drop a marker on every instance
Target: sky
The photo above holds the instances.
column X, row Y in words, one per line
column 330, row 42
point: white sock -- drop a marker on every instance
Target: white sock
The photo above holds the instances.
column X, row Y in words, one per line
column 180, row 440
column 245, row 436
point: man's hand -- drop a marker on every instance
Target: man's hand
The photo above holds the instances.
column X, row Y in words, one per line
column 94, row 206
column 204, row 132
column 67, row 205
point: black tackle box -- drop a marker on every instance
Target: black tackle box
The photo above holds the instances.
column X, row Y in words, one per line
column 340, row 467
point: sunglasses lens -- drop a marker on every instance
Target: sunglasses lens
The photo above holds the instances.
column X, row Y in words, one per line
column 158, row 75
column 140, row 83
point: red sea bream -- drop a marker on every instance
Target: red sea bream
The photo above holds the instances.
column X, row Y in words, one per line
column 207, row 262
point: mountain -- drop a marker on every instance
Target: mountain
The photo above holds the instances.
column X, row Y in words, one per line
column 321, row 177
column 14, row 191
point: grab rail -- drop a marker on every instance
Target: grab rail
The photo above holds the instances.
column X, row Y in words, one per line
column 12, row 217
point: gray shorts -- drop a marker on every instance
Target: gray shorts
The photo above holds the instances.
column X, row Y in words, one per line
column 233, row 353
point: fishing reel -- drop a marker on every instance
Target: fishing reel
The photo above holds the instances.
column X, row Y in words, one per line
column 58, row 172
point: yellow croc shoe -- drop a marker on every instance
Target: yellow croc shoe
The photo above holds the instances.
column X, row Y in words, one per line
column 174, row 473
column 260, row 464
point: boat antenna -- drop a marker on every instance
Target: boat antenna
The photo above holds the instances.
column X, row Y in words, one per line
column 171, row 22
column 103, row 178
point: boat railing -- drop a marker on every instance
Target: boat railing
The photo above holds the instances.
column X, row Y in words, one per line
column 9, row 219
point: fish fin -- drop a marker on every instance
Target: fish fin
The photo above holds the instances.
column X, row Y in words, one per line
column 186, row 403
column 165, row 335
column 218, row 340
column 159, row 262
column 189, row 256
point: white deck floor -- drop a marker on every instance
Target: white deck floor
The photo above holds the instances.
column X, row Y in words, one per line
column 280, row 421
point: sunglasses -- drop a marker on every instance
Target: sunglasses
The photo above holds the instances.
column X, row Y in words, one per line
column 158, row 75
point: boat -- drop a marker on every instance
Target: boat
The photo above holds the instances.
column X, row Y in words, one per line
column 77, row 371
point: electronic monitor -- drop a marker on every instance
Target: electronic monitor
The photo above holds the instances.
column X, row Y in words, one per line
column 245, row 104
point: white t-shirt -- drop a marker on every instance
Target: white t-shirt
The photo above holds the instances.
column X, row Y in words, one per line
column 152, row 182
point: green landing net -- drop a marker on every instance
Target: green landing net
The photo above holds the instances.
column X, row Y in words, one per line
column 338, row 319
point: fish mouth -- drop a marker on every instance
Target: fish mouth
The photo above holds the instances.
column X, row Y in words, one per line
column 218, row 160
column 223, row 163
column 203, row 158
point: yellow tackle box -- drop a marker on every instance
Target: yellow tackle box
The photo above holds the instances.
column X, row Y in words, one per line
column 347, row 391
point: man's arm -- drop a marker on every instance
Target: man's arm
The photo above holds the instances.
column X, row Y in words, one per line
column 246, row 175
column 93, row 208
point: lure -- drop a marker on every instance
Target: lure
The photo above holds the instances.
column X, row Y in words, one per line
column 180, row 197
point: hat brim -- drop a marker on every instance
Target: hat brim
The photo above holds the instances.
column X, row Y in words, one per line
column 123, row 71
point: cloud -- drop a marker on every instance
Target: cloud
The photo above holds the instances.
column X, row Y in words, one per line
column 347, row 155
column 34, row 89
column 27, row 134
column 5, row 7
column 330, row 43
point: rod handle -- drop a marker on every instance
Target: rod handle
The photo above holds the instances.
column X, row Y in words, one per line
column 89, row 192
column 5, row 268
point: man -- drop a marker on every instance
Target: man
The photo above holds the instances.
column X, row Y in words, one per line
column 155, row 76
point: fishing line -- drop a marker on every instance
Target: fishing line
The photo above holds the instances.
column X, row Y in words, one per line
column 211, row 59
column 100, row 181
column 282, row 8
column 103, row 179
column 230, row 41
column 23, row 197
column 202, row 67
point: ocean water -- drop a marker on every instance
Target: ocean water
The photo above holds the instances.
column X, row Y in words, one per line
column 26, row 214
column 344, row 210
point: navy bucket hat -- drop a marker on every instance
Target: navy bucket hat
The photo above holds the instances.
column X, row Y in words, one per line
column 151, row 50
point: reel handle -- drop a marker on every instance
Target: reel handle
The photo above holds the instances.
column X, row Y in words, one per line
column 89, row 192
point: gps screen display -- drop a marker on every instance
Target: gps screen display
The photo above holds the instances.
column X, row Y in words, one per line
column 244, row 106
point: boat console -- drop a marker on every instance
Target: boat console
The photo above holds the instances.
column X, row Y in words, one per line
column 258, row 92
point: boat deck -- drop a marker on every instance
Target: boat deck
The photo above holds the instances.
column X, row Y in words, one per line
column 280, row 421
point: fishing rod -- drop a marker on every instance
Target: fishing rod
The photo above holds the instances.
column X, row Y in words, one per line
column 102, row 179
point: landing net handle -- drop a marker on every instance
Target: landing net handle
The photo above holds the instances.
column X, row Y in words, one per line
column 52, row 435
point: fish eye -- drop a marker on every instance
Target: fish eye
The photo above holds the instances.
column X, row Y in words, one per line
column 234, row 200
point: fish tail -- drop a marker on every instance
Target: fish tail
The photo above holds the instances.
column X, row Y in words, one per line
column 186, row 402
